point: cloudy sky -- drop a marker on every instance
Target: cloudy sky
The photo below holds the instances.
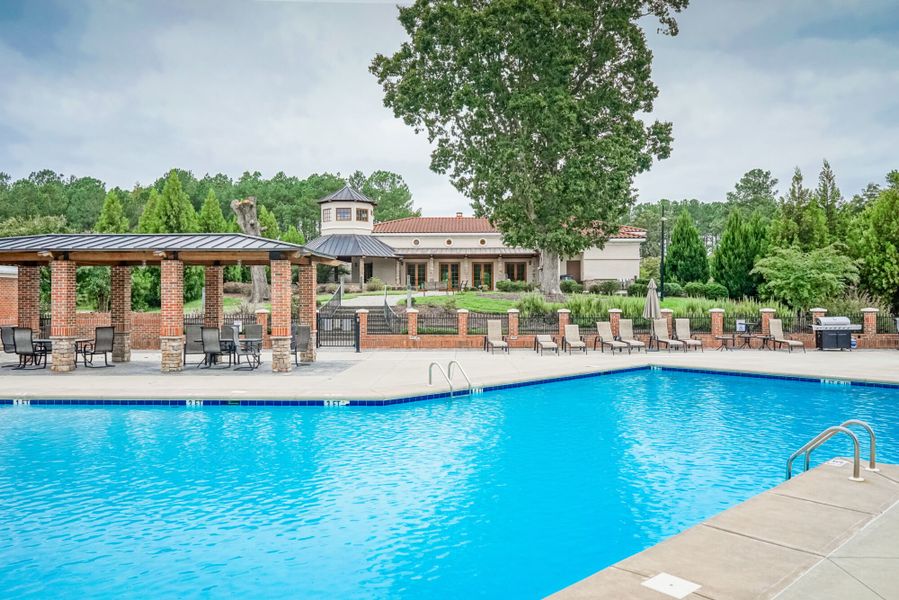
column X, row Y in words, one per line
column 123, row 91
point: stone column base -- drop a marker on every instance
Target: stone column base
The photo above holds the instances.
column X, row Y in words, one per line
column 281, row 355
column 121, row 348
column 308, row 354
column 63, row 356
column 172, row 350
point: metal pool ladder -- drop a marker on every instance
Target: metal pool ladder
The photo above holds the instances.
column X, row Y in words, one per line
column 828, row 433
column 448, row 376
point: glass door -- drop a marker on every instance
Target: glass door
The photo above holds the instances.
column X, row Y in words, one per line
column 449, row 274
column 416, row 274
column 482, row 275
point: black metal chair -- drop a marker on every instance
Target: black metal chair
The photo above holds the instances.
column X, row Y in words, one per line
column 9, row 343
column 230, row 338
column 212, row 347
column 299, row 342
column 102, row 344
column 253, row 331
column 193, row 344
column 27, row 350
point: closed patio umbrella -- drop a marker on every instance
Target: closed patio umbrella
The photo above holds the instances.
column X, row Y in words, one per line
column 651, row 309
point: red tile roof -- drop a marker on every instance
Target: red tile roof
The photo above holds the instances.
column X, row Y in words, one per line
column 467, row 225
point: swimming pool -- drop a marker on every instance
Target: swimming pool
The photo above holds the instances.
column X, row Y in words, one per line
column 513, row 493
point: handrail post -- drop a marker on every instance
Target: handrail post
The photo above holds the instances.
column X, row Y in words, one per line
column 449, row 370
column 442, row 372
column 820, row 439
column 872, row 448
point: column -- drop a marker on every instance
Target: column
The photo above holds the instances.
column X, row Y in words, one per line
column 817, row 313
column 564, row 319
column 717, row 317
column 362, row 315
column 766, row 316
column 171, row 317
column 62, row 315
column 280, row 293
column 412, row 322
column 213, row 308
column 29, row 310
column 869, row 321
column 668, row 315
column 615, row 321
column 462, row 321
column 513, row 323
column 120, row 312
column 262, row 319
column 306, row 308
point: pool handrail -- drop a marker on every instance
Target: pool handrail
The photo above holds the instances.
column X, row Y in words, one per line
column 822, row 438
column 449, row 371
column 442, row 372
column 872, row 448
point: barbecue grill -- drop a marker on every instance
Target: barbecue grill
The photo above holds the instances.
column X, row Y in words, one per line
column 832, row 333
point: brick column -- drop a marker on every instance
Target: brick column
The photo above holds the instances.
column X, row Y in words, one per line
column 280, row 294
column 462, row 317
column 213, row 308
column 717, row 315
column 817, row 313
column 262, row 318
column 564, row 319
column 362, row 315
column 668, row 315
column 869, row 321
column 513, row 323
column 62, row 315
column 412, row 322
column 120, row 312
column 615, row 321
column 29, row 310
column 171, row 322
column 306, row 309
column 766, row 315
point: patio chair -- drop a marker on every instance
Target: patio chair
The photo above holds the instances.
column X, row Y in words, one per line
column 573, row 340
column 494, row 338
column 193, row 343
column 299, row 342
column 27, row 350
column 776, row 330
column 605, row 338
column 9, row 343
column 545, row 342
column 102, row 344
column 212, row 347
column 660, row 335
column 682, row 331
column 253, row 331
column 228, row 334
column 626, row 335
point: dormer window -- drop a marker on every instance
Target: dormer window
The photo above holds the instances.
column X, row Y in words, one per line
column 344, row 214
column 362, row 214
column 326, row 215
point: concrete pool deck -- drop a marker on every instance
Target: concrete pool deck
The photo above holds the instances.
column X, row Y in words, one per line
column 818, row 536
column 342, row 374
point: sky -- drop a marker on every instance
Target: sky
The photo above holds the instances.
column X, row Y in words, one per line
column 123, row 91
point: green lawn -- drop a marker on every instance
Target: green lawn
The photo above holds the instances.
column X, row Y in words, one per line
column 475, row 302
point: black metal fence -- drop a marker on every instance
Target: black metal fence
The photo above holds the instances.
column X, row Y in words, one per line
column 586, row 322
column 886, row 323
column 44, row 325
column 338, row 331
column 243, row 318
column 438, row 324
column 477, row 322
column 538, row 324
column 698, row 323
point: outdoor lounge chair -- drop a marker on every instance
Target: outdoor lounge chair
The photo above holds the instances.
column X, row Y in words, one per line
column 545, row 342
column 776, row 330
column 213, row 348
column 626, row 335
column 193, row 344
column 102, row 344
column 299, row 342
column 605, row 338
column 27, row 350
column 682, row 330
column 573, row 339
column 9, row 343
column 494, row 338
column 660, row 335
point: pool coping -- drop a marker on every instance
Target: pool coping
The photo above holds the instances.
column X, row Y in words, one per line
column 390, row 401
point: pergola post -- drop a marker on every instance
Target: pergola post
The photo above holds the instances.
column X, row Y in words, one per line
column 62, row 314
column 306, row 309
column 213, row 309
column 171, row 333
column 29, row 310
column 280, row 295
column 120, row 312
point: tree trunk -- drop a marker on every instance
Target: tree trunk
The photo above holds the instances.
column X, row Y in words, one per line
column 245, row 210
column 548, row 273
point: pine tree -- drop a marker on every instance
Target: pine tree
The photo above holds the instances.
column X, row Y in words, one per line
column 268, row 223
column 174, row 211
column 149, row 218
column 293, row 236
column 829, row 198
column 112, row 216
column 800, row 220
column 878, row 246
column 742, row 243
column 686, row 259
column 211, row 219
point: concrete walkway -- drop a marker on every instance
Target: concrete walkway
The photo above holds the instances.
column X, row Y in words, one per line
column 377, row 301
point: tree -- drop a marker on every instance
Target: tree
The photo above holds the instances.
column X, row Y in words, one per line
column 389, row 190
column 686, row 259
column 829, row 198
column 268, row 225
column 211, row 219
column 17, row 226
column 84, row 200
column 800, row 220
column 149, row 217
column 535, row 109
column 878, row 247
column 756, row 191
column 742, row 243
column 112, row 217
column 805, row 279
column 247, row 212
column 292, row 236
column 174, row 212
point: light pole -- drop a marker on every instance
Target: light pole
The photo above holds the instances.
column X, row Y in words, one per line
column 662, row 260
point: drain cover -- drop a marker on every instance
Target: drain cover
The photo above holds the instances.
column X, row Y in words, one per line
column 672, row 586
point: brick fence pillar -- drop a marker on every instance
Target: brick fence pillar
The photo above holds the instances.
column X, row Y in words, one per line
column 766, row 315
column 29, row 309
column 171, row 323
column 412, row 322
column 615, row 321
column 306, row 314
column 513, row 323
column 717, row 316
column 63, row 293
column 213, row 307
column 262, row 318
column 362, row 316
column 564, row 319
column 280, row 296
column 462, row 321
column 668, row 315
column 120, row 312
column 869, row 321
column 817, row 313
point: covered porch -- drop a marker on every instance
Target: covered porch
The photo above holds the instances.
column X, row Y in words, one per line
column 63, row 253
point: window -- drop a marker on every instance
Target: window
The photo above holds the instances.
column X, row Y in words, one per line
column 344, row 214
column 326, row 215
column 362, row 214
column 449, row 242
column 483, row 242
column 415, row 242
column 516, row 271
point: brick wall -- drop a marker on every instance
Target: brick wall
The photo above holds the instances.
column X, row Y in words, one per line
column 172, row 319
column 9, row 300
column 29, row 301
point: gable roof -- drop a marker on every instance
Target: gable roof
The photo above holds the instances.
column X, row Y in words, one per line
column 347, row 194
column 468, row 225
column 349, row 245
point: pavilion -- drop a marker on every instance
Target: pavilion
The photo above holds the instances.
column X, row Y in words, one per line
column 63, row 253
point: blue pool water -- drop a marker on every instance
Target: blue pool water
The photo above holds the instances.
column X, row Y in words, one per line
column 514, row 493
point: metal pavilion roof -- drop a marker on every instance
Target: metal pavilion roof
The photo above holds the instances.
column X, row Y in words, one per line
column 347, row 194
column 350, row 245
